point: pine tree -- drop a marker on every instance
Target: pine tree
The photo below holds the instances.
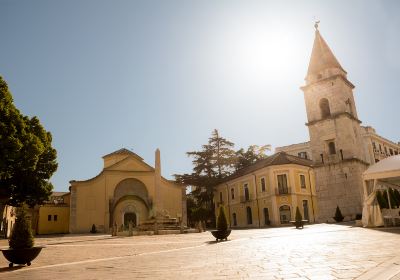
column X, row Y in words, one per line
column 338, row 215
column 222, row 221
column 21, row 235
column 298, row 217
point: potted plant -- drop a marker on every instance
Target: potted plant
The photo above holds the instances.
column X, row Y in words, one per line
column 299, row 223
column 21, row 242
column 338, row 215
column 222, row 231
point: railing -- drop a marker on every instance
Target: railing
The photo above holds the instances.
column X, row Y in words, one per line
column 283, row 191
column 244, row 198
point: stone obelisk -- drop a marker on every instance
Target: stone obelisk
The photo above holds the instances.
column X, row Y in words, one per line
column 157, row 207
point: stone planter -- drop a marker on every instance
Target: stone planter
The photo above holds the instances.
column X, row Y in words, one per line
column 21, row 256
column 221, row 234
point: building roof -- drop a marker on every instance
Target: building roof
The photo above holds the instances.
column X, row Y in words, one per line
column 58, row 193
column 122, row 152
column 321, row 57
column 279, row 158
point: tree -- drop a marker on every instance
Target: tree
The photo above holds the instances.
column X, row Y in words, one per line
column 21, row 235
column 222, row 221
column 298, row 217
column 253, row 154
column 27, row 159
column 338, row 215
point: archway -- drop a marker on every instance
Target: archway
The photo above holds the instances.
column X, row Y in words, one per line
column 284, row 213
column 129, row 217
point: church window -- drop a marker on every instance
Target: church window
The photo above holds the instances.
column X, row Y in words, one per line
column 324, row 106
column 233, row 193
column 55, row 218
column 380, row 147
column 302, row 181
column 263, row 184
column 220, row 197
column 374, row 146
column 341, row 154
column 332, row 149
column 49, row 217
column 322, row 158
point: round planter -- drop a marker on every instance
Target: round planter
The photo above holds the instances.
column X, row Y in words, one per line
column 21, row 256
column 221, row 234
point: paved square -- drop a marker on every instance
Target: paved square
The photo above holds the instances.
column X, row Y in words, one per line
column 323, row 251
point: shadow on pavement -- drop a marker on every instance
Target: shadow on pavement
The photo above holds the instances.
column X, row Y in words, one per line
column 7, row 269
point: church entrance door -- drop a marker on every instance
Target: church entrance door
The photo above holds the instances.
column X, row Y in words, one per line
column 129, row 217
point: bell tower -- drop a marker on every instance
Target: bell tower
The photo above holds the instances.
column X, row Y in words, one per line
column 335, row 133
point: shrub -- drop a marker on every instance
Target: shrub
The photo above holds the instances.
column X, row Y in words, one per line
column 338, row 215
column 381, row 200
column 396, row 194
column 93, row 230
column 298, row 216
column 21, row 235
column 393, row 201
column 222, row 221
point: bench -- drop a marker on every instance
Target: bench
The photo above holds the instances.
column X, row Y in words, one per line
column 299, row 224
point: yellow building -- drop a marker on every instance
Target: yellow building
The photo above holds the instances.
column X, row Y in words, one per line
column 53, row 215
column 268, row 192
column 126, row 190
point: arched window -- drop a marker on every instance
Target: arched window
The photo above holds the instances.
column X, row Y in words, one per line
column 332, row 148
column 234, row 219
column 249, row 216
column 233, row 193
column 284, row 212
column 324, row 106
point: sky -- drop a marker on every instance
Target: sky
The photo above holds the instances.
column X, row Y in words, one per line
column 103, row 75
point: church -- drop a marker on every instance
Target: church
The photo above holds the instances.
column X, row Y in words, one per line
column 127, row 191
column 330, row 173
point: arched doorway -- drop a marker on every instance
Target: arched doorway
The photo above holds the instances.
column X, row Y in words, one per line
column 129, row 217
column 284, row 213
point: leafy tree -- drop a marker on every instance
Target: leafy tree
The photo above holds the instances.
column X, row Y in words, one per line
column 215, row 161
column 27, row 159
column 253, row 154
column 21, row 235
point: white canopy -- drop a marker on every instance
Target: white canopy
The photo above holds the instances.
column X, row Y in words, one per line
column 388, row 171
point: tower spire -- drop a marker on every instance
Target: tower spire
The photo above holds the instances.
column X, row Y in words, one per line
column 322, row 59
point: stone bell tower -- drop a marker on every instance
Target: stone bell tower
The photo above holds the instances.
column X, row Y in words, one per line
column 335, row 134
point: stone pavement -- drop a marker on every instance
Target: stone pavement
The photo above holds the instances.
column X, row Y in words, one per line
column 322, row 251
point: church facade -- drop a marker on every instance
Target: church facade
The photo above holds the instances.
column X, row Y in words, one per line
column 127, row 190
column 340, row 148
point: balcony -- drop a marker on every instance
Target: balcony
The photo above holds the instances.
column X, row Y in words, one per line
column 283, row 191
column 244, row 199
